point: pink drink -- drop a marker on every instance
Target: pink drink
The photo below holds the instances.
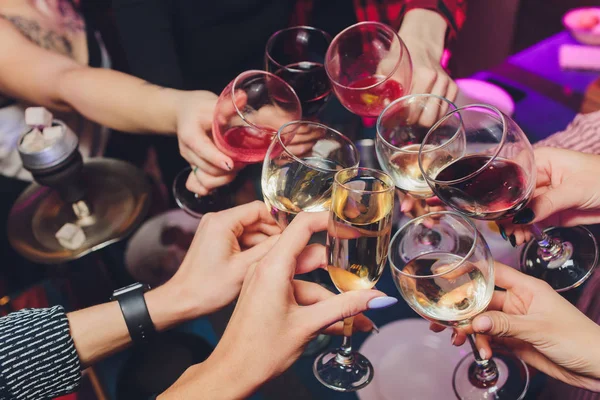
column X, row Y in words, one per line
column 370, row 101
column 244, row 143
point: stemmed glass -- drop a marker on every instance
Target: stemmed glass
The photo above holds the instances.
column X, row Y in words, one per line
column 369, row 67
column 401, row 128
column 297, row 55
column 299, row 177
column 494, row 178
column 450, row 282
column 358, row 238
column 247, row 116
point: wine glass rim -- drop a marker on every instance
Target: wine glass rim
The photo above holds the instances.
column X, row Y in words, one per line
column 463, row 259
column 373, row 172
column 297, row 159
column 404, row 98
column 271, row 76
column 388, row 76
column 480, row 169
column 272, row 38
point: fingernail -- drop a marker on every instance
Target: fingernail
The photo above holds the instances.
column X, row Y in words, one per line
column 524, row 216
column 381, row 302
column 482, row 324
column 453, row 338
column 375, row 328
column 404, row 206
column 513, row 240
column 502, row 232
column 483, row 354
column 227, row 166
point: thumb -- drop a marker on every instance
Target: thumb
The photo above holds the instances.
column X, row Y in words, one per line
column 554, row 200
column 497, row 323
column 345, row 305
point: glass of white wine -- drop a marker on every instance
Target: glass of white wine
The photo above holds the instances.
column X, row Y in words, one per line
column 297, row 175
column 450, row 282
column 401, row 128
column 358, row 238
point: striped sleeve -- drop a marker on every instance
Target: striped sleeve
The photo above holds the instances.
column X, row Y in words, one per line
column 38, row 359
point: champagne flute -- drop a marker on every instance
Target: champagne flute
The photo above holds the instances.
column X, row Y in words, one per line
column 299, row 177
column 493, row 179
column 297, row 55
column 369, row 67
column 450, row 282
column 247, row 116
column 358, row 238
column 400, row 129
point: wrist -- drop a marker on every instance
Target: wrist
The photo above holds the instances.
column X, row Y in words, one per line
column 425, row 28
column 169, row 306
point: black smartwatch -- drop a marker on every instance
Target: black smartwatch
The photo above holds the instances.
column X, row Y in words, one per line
column 134, row 309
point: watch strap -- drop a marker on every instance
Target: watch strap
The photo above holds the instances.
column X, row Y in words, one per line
column 136, row 315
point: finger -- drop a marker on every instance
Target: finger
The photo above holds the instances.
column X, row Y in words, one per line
column 423, row 81
column 206, row 166
column 345, row 305
column 309, row 293
column 437, row 328
column 203, row 147
column 361, row 324
column 240, row 217
column 431, row 111
column 434, row 202
column 193, row 185
column 497, row 302
column 458, row 338
column 312, row 257
column 509, row 278
column 452, row 91
column 294, row 239
column 212, row 182
column 252, row 239
column 498, row 323
column 482, row 342
column 554, row 200
column 229, row 108
column 257, row 252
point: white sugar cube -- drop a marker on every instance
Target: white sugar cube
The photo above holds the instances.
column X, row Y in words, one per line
column 33, row 141
column 38, row 116
column 70, row 236
column 52, row 133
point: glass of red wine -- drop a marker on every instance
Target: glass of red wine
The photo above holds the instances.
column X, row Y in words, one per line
column 493, row 179
column 297, row 55
column 369, row 67
column 247, row 116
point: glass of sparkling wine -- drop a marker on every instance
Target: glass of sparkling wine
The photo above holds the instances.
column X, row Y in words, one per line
column 401, row 128
column 358, row 238
column 247, row 116
column 297, row 175
column 369, row 67
column 449, row 282
column 493, row 179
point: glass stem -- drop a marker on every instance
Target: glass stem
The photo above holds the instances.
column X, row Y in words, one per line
column 552, row 251
column 344, row 355
column 486, row 371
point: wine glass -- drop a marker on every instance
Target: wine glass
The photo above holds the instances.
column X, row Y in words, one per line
column 299, row 177
column 247, row 116
column 297, row 55
column 369, row 67
column 450, row 282
column 493, row 179
column 358, row 238
column 401, row 128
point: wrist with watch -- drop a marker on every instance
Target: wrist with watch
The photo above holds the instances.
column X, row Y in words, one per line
column 135, row 312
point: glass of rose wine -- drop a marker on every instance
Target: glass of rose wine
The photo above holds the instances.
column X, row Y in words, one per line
column 247, row 116
column 358, row 238
column 493, row 179
column 297, row 175
column 369, row 67
column 297, row 55
column 450, row 282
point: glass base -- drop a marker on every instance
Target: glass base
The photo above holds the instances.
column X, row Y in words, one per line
column 511, row 383
column 572, row 267
column 195, row 205
column 343, row 374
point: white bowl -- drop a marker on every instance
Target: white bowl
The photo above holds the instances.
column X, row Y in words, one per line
column 580, row 22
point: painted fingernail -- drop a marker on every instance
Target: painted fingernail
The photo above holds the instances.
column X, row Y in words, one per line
column 453, row 338
column 513, row 240
column 482, row 324
column 227, row 166
column 524, row 216
column 375, row 328
column 502, row 231
column 381, row 302
column 483, row 354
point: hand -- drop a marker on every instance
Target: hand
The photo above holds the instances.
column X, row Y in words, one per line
column 225, row 245
column 567, row 193
column 194, row 123
column 423, row 32
column 269, row 328
column 541, row 328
